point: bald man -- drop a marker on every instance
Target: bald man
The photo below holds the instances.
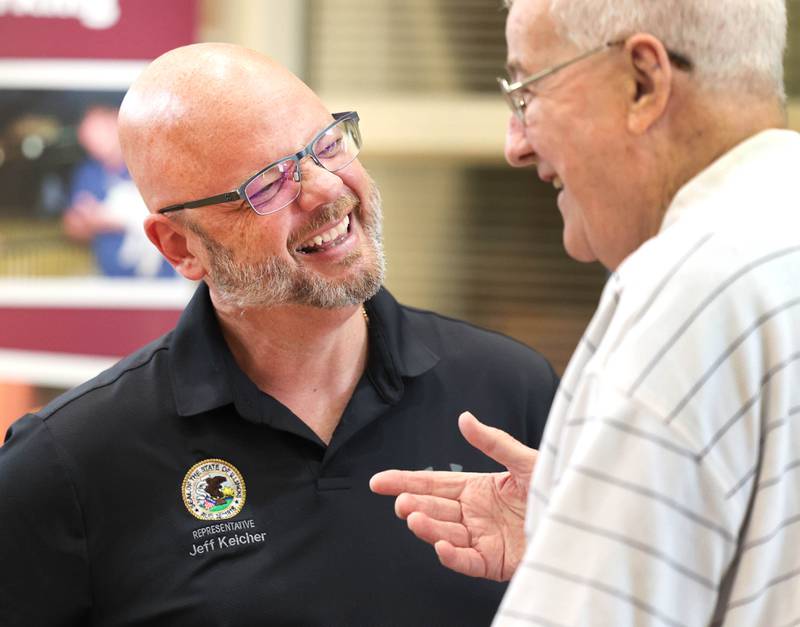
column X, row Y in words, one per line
column 218, row 476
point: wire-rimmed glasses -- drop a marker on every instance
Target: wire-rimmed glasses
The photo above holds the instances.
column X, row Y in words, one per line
column 517, row 99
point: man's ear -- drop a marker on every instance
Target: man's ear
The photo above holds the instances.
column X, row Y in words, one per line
column 652, row 80
column 170, row 239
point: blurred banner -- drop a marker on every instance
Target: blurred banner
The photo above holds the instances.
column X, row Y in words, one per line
column 94, row 29
column 91, row 321
column 57, row 333
column 80, row 284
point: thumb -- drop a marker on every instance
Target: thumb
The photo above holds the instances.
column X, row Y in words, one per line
column 497, row 444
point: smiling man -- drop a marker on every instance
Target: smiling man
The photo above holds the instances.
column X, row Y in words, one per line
column 219, row 475
column 666, row 489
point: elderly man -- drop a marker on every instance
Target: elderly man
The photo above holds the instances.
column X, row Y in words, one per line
column 667, row 489
column 219, row 476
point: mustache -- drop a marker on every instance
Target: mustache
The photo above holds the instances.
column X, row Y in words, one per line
column 348, row 202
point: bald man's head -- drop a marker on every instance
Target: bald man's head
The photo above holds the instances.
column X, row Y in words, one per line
column 197, row 116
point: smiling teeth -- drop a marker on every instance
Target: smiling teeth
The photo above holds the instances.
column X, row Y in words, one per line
column 557, row 183
column 329, row 235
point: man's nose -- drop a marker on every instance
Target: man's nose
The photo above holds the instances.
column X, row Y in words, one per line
column 318, row 186
column 518, row 151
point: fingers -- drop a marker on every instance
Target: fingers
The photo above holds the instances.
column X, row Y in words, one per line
column 434, row 506
column 432, row 531
column 466, row 561
column 435, row 483
column 497, row 444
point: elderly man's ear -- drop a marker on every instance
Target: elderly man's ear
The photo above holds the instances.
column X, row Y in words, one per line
column 170, row 239
column 650, row 82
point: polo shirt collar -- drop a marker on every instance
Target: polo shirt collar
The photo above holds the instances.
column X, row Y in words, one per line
column 726, row 185
column 201, row 363
column 198, row 368
column 395, row 348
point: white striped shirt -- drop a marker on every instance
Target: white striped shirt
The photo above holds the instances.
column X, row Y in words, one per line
column 667, row 490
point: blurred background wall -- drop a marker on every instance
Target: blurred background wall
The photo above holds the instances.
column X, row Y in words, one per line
column 465, row 234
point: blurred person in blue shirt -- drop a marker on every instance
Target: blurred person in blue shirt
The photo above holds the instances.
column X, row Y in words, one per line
column 103, row 201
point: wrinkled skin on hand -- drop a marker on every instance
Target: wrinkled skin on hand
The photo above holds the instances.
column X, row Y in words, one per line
column 473, row 520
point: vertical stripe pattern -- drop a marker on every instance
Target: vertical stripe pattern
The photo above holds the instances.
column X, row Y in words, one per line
column 668, row 488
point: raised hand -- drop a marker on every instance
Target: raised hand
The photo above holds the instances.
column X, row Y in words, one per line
column 473, row 520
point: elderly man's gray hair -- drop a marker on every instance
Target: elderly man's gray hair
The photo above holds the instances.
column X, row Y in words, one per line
column 733, row 44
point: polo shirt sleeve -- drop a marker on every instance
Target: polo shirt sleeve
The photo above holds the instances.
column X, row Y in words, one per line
column 44, row 565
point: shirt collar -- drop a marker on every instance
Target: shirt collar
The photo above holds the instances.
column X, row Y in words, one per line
column 198, row 368
column 395, row 349
column 749, row 175
column 201, row 363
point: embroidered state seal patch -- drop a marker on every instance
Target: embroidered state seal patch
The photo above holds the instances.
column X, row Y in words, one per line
column 213, row 489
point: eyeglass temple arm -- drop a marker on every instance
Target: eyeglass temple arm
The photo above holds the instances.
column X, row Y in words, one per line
column 680, row 61
column 212, row 200
column 552, row 70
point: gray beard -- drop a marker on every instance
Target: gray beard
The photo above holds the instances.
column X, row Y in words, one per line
column 276, row 281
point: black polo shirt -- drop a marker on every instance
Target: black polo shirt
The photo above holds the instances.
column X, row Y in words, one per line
column 101, row 490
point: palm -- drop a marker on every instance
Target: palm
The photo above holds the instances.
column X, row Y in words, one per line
column 474, row 520
column 493, row 512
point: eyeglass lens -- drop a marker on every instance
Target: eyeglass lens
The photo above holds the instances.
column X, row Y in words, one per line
column 279, row 185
